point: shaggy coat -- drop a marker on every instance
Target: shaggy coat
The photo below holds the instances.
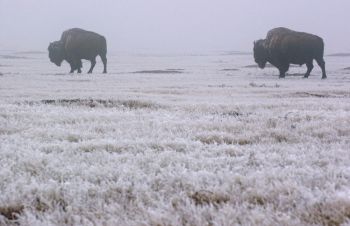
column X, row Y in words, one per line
column 283, row 47
column 77, row 44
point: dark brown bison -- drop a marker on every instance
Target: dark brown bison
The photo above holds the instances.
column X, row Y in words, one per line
column 77, row 44
column 283, row 47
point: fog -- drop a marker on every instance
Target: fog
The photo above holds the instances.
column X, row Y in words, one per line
column 171, row 26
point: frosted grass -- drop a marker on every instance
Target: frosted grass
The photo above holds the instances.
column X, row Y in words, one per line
column 217, row 144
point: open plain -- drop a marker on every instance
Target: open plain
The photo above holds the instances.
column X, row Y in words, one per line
column 201, row 139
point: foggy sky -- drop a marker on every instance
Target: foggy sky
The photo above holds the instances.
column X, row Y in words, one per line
column 172, row 25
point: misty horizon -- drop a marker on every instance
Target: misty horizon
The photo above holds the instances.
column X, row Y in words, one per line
column 175, row 112
column 161, row 27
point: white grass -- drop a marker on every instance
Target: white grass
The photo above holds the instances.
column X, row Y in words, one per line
column 204, row 147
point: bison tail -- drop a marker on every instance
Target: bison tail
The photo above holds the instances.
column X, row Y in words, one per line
column 321, row 48
column 104, row 46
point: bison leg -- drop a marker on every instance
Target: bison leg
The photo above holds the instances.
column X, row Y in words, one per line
column 72, row 68
column 93, row 63
column 75, row 65
column 79, row 66
column 283, row 71
column 309, row 66
column 104, row 60
column 322, row 65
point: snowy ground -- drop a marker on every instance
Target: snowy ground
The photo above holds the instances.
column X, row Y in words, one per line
column 212, row 143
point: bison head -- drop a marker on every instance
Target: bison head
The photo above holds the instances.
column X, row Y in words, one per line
column 260, row 53
column 56, row 53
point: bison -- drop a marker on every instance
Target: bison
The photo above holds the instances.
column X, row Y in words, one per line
column 77, row 44
column 283, row 47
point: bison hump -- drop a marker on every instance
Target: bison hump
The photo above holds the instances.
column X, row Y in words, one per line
column 278, row 37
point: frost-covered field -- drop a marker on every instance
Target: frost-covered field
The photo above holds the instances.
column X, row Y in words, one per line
column 209, row 142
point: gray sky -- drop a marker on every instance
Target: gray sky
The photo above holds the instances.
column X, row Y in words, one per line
column 172, row 25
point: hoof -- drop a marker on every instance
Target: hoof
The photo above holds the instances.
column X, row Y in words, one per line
column 324, row 77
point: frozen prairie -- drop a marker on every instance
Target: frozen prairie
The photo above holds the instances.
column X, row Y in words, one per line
column 173, row 140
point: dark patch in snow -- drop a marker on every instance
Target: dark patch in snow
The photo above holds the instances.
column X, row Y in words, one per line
column 256, row 66
column 12, row 57
column 335, row 94
column 219, row 139
column 167, row 71
column 252, row 66
column 279, row 138
column 230, row 69
column 232, row 113
column 347, row 68
column 256, row 199
column 40, row 205
column 78, row 80
column 94, row 103
column 175, row 69
column 328, row 212
column 208, row 198
column 11, row 212
column 306, row 94
column 11, row 73
column 31, row 52
column 220, row 86
column 339, row 55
